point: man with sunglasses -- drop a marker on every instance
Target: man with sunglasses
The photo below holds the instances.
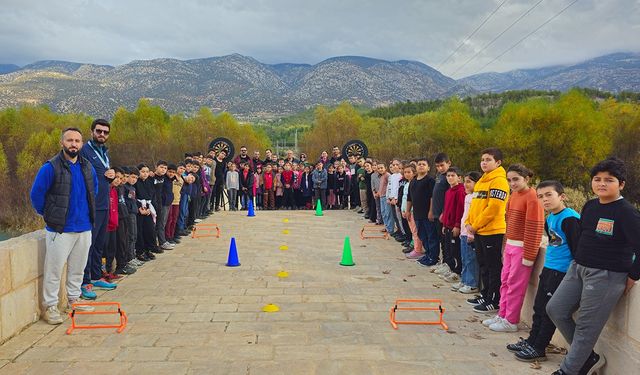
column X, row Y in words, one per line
column 98, row 155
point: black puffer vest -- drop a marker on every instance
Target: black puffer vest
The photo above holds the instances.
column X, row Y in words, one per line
column 56, row 204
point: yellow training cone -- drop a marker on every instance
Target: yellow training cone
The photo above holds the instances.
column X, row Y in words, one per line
column 286, row 231
column 284, row 247
column 283, row 274
column 285, row 220
column 271, row 308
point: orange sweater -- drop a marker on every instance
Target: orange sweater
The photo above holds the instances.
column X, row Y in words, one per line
column 525, row 222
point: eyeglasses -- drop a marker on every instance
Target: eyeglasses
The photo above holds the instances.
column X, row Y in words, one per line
column 100, row 131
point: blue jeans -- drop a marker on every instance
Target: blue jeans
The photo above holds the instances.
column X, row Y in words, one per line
column 184, row 212
column 387, row 215
column 469, row 263
column 428, row 234
column 93, row 270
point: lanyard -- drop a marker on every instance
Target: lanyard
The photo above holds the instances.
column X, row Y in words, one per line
column 105, row 160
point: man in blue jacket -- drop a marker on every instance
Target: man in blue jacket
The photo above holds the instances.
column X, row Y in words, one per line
column 98, row 155
column 63, row 192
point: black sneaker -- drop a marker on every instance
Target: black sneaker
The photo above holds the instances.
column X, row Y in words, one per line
column 149, row 255
column 519, row 346
column 477, row 300
column 559, row 372
column 126, row 270
column 593, row 364
column 407, row 250
column 486, row 308
column 157, row 250
column 530, row 354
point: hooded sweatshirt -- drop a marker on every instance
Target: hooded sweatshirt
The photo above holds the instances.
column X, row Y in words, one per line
column 488, row 206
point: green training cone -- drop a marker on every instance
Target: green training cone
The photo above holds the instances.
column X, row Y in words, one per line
column 347, row 258
column 319, row 208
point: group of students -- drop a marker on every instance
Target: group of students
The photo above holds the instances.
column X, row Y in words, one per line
column 480, row 231
column 483, row 232
column 290, row 183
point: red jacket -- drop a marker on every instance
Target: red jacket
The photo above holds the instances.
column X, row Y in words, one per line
column 287, row 178
column 112, row 224
column 268, row 181
column 453, row 206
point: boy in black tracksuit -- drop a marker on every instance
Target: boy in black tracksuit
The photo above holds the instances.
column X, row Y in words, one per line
column 132, row 210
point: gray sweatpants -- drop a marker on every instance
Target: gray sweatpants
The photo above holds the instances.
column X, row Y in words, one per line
column 61, row 248
column 161, row 223
column 593, row 293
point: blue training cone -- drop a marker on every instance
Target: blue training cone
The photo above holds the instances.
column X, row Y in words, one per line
column 233, row 260
column 250, row 211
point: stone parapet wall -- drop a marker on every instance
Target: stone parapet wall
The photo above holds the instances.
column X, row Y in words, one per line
column 21, row 268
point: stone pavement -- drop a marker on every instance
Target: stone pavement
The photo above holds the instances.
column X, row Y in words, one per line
column 190, row 314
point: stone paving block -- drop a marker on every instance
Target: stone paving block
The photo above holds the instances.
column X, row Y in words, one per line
column 34, row 368
column 202, row 327
column 202, row 354
column 191, row 317
column 148, row 317
column 241, row 299
column 249, row 352
column 235, row 316
column 216, row 307
column 40, row 354
column 71, row 341
column 160, row 368
column 99, row 368
column 173, row 308
column 142, row 354
column 299, row 352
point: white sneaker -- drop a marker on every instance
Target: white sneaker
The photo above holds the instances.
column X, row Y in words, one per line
column 455, row 287
column 434, row 267
column 452, row 277
column 52, row 315
column 199, row 220
column 489, row 322
column 167, row 246
column 503, row 326
column 79, row 307
column 443, row 269
column 468, row 290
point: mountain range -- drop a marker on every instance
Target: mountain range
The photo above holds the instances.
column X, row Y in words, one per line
column 248, row 88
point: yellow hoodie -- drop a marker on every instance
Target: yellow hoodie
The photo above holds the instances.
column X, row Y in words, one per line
column 488, row 206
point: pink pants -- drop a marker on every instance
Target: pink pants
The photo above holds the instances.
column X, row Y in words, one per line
column 514, row 279
column 417, row 244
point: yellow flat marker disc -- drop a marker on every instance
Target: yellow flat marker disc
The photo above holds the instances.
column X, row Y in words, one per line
column 283, row 274
column 286, row 231
column 271, row 308
column 284, row 247
column 285, row 220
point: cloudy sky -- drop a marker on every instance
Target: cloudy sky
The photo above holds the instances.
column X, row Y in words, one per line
column 272, row 31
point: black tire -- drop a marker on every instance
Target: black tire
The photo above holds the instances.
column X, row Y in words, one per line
column 355, row 147
column 225, row 144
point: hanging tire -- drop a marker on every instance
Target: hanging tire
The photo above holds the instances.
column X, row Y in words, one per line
column 356, row 148
column 223, row 144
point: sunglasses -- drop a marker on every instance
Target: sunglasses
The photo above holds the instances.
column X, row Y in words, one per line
column 100, row 131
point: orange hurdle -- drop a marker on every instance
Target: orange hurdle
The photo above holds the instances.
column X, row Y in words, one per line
column 120, row 327
column 440, row 309
column 373, row 231
column 205, row 230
